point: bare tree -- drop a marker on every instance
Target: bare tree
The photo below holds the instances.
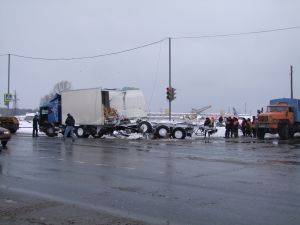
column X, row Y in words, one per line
column 61, row 86
column 57, row 89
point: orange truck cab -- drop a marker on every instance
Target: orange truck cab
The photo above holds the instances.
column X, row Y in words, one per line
column 282, row 117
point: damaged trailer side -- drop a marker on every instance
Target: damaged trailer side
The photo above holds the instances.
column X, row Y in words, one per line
column 96, row 111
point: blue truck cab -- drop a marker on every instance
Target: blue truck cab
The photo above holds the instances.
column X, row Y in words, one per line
column 50, row 116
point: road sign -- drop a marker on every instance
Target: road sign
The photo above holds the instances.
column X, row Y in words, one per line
column 8, row 98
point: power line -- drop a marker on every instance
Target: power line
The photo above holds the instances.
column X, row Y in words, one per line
column 239, row 34
column 156, row 42
column 90, row 57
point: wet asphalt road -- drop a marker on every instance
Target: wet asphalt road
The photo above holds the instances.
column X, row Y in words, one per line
column 190, row 182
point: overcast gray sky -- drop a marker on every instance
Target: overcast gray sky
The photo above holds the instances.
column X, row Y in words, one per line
column 222, row 72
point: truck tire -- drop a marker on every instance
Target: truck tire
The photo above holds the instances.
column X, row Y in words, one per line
column 284, row 132
column 145, row 127
column 162, row 131
column 260, row 134
column 13, row 130
column 291, row 134
column 101, row 132
column 179, row 133
column 3, row 143
column 81, row 132
column 93, row 131
column 50, row 132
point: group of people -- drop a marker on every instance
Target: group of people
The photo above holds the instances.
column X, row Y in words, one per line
column 247, row 127
column 232, row 126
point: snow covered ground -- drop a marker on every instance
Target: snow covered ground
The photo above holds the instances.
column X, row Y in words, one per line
column 25, row 127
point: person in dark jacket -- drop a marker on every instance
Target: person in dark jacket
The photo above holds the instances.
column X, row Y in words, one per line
column 253, row 126
column 243, row 126
column 248, row 128
column 207, row 122
column 35, row 126
column 70, row 123
column 235, row 129
column 232, row 127
column 228, row 127
column 221, row 119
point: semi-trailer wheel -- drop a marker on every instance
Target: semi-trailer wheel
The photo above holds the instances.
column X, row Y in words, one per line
column 260, row 133
column 162, row 131
column 93, row 132
column 50, row 132
column 179, row 133
column 81, row 132
column 101, row 132
column 145, row 127
column 13, row 130
column 3, row 143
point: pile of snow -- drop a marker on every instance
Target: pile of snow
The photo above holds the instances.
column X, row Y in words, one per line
column 25, row 126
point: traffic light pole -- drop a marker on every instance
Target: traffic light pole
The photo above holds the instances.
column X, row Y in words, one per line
column 170, row 83
column 292, row 96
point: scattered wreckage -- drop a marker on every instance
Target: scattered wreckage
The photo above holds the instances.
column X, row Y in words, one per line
column 175, row 130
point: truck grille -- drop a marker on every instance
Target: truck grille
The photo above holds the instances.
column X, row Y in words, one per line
column 263, row 118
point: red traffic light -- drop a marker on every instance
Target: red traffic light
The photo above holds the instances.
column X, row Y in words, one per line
column 168, row 92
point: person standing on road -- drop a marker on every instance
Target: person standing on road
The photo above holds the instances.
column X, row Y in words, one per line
column 253, row 126
column 212, row 121
column 35, row 126
column 207, row 122
column 248, row 128
column 228, row 127
column 235, row 127
column 221, row 120
column 243, row 126
column 70, row 123
column 231, row 127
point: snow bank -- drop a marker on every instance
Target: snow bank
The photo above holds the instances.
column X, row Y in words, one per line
column 25, row 127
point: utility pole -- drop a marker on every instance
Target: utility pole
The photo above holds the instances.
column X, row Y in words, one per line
column 170, row 83
column 8, row 79
column 291, row 82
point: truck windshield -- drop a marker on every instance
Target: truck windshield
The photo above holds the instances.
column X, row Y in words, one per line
column 277, row 109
